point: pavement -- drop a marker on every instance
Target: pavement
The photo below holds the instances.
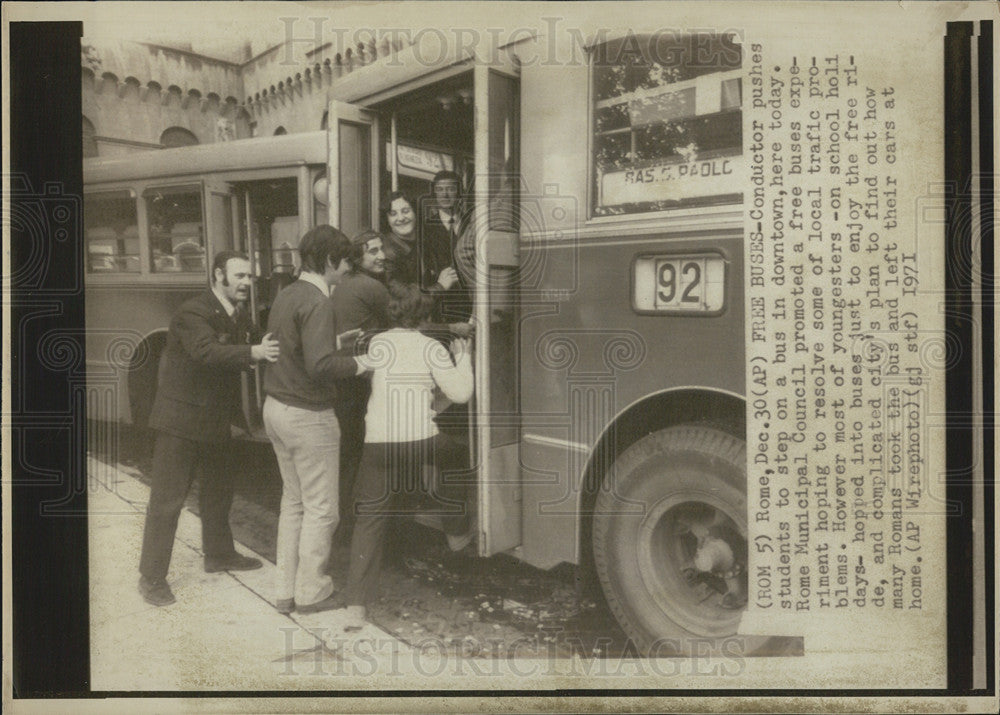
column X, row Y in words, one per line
column 223, row 632
column 224, row 635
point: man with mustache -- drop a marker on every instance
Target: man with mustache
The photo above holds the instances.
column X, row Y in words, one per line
column 198, row 398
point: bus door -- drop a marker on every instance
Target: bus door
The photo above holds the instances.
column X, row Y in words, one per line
column 496, row 219
column 270, row 216
column 219, row 215
column 352, row 186
column 432, row 125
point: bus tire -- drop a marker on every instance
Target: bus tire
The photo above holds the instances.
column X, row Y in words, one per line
column 670, row 541
column 144, row 379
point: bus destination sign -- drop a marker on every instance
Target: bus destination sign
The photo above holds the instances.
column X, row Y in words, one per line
column 673, row 181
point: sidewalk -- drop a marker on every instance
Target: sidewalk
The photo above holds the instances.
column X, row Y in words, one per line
column 222, row 633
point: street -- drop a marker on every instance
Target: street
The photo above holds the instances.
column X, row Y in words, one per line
column 476, row 607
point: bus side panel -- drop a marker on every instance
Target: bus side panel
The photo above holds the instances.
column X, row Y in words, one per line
column 554, row 162
column 129, row 314
column 595, row 356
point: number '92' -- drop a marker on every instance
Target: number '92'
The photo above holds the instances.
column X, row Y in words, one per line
column 668, row 283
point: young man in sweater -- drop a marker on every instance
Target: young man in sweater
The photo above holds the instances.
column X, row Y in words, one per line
column 302, row 424
column 360, row 303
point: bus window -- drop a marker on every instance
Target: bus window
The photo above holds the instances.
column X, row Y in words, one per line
column 667, row 123
column 504, row 153
column 272, row 209
column 176, row 234
column 112, row 231
column 355, row 177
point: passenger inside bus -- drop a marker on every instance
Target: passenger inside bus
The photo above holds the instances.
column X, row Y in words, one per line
column 433, row 146
column 402, row 250
column 442, row 223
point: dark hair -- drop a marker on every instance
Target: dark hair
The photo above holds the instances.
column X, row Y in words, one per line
column 392, row 196
column 387, row 205
column 408, row 305
column 222, row 258
column 358, row 244
column 321, row 245
column 444, row 175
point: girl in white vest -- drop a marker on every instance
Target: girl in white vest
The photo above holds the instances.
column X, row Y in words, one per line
column 401, row 438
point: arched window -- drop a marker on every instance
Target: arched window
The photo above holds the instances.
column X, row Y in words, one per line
column 89, row 142
column 279, row 131
column 245, row 126
column 177, row 136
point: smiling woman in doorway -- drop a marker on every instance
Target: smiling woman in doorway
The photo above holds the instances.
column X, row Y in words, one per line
column 402, row 256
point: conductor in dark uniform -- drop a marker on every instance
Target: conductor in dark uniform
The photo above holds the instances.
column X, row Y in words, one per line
column 442, row 225
column 208, row 346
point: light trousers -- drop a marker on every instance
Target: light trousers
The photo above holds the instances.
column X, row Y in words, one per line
column 307, row 445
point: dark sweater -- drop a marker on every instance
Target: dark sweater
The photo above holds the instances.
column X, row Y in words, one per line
column 361, row 301
column 402, row 262
column 304, row 323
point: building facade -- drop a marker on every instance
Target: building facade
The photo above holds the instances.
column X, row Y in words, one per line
column 139, row 96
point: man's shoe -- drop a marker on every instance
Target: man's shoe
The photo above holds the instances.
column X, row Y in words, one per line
column 330, row 603
column 157, row 593
column 233, row 562
column 284, row 606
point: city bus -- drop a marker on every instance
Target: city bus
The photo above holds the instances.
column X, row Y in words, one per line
column 608, row 424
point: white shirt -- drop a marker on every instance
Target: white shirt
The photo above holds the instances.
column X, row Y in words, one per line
column 317, row 280
column 407, row 366
column 226, row 304
column 449, row 220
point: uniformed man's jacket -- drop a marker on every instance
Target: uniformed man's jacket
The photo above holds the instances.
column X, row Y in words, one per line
column 198, row 396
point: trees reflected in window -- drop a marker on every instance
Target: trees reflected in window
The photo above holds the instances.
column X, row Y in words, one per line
column 667, row 122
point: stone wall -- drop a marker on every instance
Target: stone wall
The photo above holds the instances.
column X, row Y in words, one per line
column 133, row 91
column 291, row 90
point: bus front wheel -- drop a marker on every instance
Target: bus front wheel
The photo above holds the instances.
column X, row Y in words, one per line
column 670, row 539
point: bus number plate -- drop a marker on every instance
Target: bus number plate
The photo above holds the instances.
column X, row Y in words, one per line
column 679, row 284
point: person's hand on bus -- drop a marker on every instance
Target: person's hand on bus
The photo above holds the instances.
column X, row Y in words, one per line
column 461, row 347
column 267, row 350
column 462, row 330
column 448, row 278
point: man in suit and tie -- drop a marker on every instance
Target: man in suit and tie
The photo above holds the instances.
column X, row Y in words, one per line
column 208, row 346
column 442, row 226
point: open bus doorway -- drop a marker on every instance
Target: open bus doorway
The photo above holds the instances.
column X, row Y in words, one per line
column 429, row 130
column 469, row 123
column 424, row 132
column 269, row 232
column 269, row 229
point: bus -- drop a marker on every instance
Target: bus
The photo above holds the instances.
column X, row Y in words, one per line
column 608, row 425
